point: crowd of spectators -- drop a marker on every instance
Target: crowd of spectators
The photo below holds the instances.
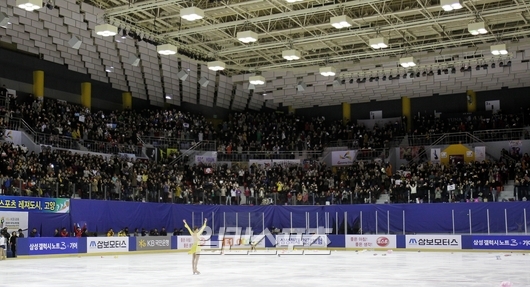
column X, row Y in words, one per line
column 59, row 173
column 67, row 125
column 489, row 125
column 64, row 173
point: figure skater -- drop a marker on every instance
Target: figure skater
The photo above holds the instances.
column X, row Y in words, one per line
column 196, row 248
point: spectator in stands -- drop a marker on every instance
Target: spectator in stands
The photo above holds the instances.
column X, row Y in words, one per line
column 110, row 233
column 64, row 232
column 78, row 231
column 34, row 233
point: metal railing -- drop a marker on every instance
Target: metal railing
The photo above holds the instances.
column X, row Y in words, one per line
column 262, row 155
column 503, row 134
column 162, row 141
column 195, row 149
column 65, row 142
column 442, row 139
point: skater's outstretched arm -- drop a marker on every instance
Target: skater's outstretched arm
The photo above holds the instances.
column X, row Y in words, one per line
column 187, row 227
column 203, row 227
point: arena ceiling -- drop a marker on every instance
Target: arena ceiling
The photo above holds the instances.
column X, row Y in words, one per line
column 410, row 25
column 450, row 59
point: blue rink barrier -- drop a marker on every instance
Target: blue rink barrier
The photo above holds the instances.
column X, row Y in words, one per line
column 50, row 245
column 73, row 245
column 496, row 242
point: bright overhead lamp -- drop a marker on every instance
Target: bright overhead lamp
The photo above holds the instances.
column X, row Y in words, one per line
column 477, row 28
column 407, row 62
column 499, row 49
column 291, row 55
column 216, row 66
column 191, row 13
column 293, row 1
column 29, row 5
column 106, row 30
column 328, row 71
column 256, row 80
column 109, row 69
column 166, row 49
column 379, row 43
column 340, row 22
column 450, row 5
column 247, row 36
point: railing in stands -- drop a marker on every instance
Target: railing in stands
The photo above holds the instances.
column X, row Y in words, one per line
column 236, row 156
column 195, row 148
column 70, row 143
column 503, row 134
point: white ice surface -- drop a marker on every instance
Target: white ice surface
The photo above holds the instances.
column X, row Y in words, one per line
column 341, row 268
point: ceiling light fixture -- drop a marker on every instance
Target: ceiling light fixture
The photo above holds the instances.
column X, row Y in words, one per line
column 407, row 62
column 328, row 71
column 216, row 66
column 256, row 80
column 450, row 5
column 293, row 1
column 378, row 43
column 499, row 49
column 477, row 28
column 106, row 30
column 247, row 36
column 340, row 22
column 191, row 13
column 166, row 49
column 291, row 55
column 29, row 5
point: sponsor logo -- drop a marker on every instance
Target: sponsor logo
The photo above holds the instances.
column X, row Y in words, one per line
column 433, row 242
column 383, row 241
column 108, row 244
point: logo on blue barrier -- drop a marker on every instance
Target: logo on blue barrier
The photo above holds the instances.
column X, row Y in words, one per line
column 52, row 245
column 506, row 242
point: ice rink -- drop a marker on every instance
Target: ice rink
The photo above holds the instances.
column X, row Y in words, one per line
column 340, row 268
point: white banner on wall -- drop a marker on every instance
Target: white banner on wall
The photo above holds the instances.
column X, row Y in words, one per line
column 343, row 158
column 13, row 137
column 435, row 155
column 306, row 240
column 433, row 241
column 239, row 242
column 205, row 159
column 493, row 105
column 107, row 244
column 371, row 241
column 286, row 161
column 186, row 242
column 480, row 153
column 376, row 115
column 14, row 221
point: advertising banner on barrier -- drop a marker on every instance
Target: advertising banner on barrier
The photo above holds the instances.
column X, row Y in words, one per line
column 505, row 242
column 153, row 243
column 239, row 242
column 307, row 240
column 206, row 159
column 343, row 158
column 12, row 137
column 14, row 221
column 53, row 245
column 371, row 241
column 433, row 241
column 186, row 242
column 34, row 204
column 107, row 244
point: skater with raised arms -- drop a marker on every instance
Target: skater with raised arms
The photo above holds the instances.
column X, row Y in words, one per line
column 195, row 248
